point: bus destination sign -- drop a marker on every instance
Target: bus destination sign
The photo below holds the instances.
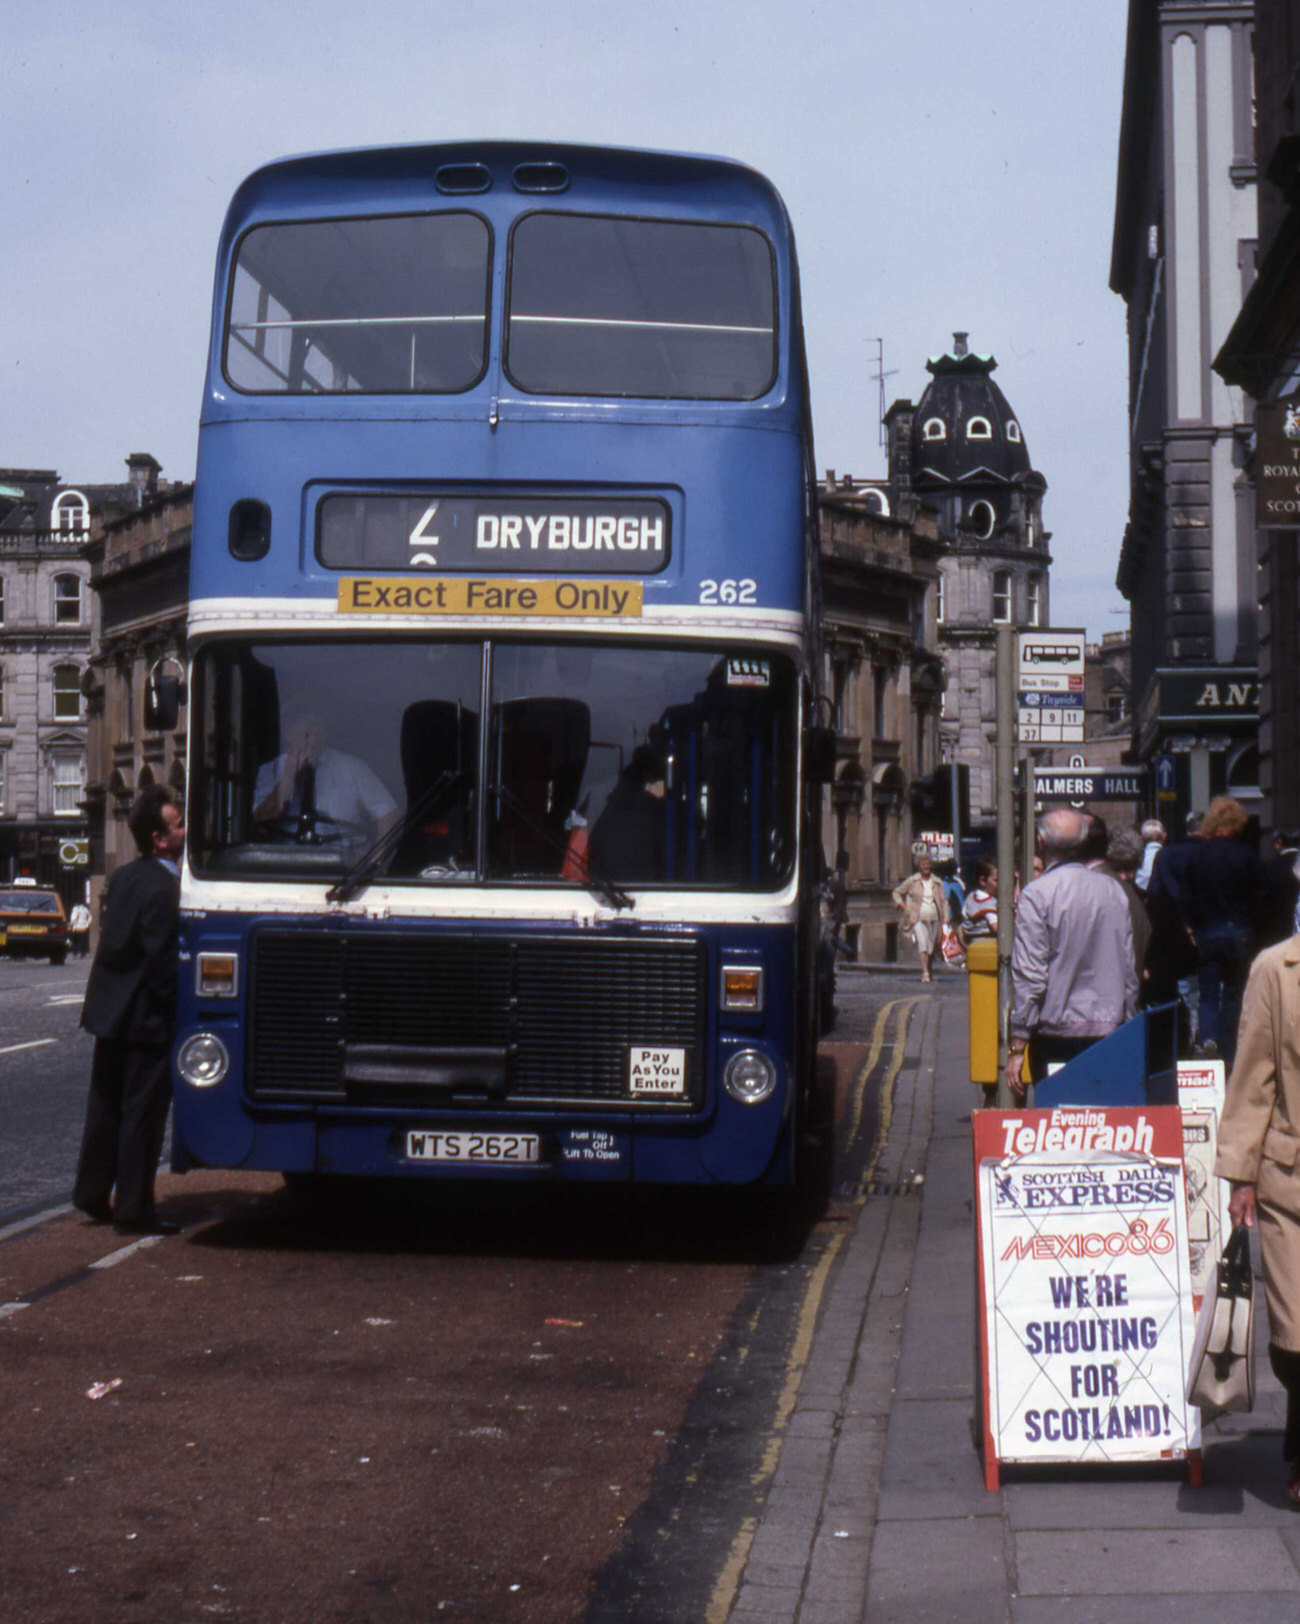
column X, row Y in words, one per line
column 543, row 535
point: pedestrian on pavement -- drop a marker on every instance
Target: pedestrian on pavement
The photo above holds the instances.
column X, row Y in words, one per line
column 1259, row 1151
column 1223, row 887
column 1280, row 912
column 79, row 923
column 1153, row 838
column 980, row 914
column 1096, row 843
column 130, row 1008
column 1072, row 968
column 1123, row 854
column 1171, row 958
column 923, row 902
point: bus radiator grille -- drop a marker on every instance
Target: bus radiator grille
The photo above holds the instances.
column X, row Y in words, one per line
column 565, row 1012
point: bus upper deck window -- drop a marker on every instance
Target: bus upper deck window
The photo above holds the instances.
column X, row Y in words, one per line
column 386, row 305
column 656, row 309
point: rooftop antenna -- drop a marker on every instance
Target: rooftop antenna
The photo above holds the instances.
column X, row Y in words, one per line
column 878, row 377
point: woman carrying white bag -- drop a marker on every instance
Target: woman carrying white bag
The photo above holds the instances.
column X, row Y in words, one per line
column 1259, row 1151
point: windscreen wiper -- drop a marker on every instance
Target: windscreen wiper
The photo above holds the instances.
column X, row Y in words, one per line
column 361, row 872
column 612, row 895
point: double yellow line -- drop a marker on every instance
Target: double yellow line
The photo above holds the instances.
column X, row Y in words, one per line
column 904, row 1006
column 728, row 1583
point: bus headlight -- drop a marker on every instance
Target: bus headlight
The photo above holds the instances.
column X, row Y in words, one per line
column 203, row 1060
column 749, row 1077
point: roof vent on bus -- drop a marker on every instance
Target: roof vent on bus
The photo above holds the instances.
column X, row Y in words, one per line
column 250, row 530
column 462, row 178
column 545, row 177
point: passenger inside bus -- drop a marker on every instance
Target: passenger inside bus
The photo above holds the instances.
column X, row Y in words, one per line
column 627, row 841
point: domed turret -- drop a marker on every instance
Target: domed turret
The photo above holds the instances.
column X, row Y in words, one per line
column 964, row 425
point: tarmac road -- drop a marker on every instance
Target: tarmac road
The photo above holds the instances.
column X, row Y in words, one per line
column 482, row 1404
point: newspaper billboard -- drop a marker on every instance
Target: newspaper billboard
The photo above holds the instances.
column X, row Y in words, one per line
column 1085, row 1291
column 1201, row 1090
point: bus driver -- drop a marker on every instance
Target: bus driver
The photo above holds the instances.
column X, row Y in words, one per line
column 313, row 781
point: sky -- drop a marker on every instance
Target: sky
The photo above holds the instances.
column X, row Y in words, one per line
column 947, row 166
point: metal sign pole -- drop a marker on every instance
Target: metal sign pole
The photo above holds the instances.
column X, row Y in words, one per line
column 954, row 800
column 1005, row 768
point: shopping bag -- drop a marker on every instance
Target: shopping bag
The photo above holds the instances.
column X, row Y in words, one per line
column 950, row 946
column 1222, row 1373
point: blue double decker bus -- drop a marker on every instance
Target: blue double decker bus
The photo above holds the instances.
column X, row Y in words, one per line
column 503, row 759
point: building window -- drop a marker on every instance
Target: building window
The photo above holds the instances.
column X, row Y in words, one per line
column 1013, row 431
column 881, row 684
column 934, row 429
column 981, row 517
column 67, row 786
column 70, row 514
column 1031, row 533
column 67, row 600
column 979, row 428
column 4, row 756
column 1034, row 605
column 2, row 600
column 67, row 693
column 2, row 691
column 1001, row 596
column 1116, row 707
column 940, row 608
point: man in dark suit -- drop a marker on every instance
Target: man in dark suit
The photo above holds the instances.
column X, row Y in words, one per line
column 131, row 1009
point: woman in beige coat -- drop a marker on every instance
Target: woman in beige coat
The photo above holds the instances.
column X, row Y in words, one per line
column 923, row 902
column 1259, row 1151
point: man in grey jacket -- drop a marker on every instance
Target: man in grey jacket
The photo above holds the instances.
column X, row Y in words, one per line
column 1072, row 968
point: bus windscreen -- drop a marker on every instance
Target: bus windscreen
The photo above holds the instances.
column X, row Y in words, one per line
column 669, row 766
column 646, row 308
column 393, row 305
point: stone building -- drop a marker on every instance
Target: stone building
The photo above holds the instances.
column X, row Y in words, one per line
column 1261, row 354
column 47, row 628
column 139, row 571
column 884, row 682
column 961, row 451
column 1183, row 255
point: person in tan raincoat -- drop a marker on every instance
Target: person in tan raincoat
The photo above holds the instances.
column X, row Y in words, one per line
column 923, row 903
column 1259, row 1151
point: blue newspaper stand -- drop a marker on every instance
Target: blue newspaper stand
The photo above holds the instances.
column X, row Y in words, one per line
column 1136, row 1065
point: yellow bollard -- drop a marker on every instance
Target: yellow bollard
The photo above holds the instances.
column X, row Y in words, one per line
column 982, row 987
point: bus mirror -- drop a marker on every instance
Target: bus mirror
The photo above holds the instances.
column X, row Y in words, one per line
column 164, row 695
column 819, row 754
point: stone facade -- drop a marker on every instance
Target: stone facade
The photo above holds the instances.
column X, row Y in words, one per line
column 139, row 571
column 884, row 682
column 1262, row 355
column 1182, row 257
column 962, row 451
column 47, row 629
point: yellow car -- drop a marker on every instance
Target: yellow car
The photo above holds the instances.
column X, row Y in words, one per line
column 32, row 920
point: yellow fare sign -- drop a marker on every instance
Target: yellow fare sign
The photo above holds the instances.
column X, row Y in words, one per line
column 487, row 595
